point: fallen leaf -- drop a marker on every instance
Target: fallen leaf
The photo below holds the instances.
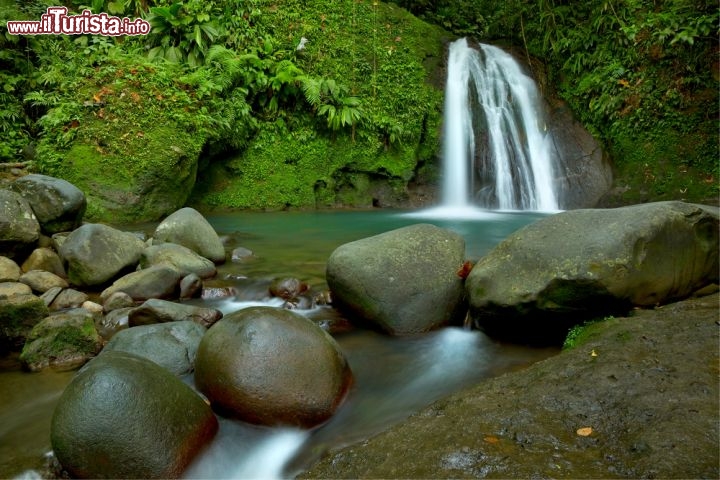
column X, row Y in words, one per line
column 593, row 353
column 585, row 431
column 491, row 439
column 464, row 270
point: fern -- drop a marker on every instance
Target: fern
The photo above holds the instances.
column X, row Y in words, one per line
column 312, row 91
column 41, row 98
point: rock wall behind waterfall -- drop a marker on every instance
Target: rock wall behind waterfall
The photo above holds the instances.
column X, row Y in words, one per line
column 587, row 173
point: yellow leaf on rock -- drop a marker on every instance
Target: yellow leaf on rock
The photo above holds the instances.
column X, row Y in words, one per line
column 491, row 439
column 585, row 431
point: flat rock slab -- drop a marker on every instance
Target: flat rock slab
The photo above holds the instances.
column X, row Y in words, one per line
column 648, row 395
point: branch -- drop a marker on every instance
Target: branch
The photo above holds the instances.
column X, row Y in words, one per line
column 15, row 164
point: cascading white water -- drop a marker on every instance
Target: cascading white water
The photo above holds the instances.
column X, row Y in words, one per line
column 516, row 168
column 458, row 138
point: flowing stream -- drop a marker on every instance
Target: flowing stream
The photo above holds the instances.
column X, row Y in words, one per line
column 394, row 377
column 489, row 98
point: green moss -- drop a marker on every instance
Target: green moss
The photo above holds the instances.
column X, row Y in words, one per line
column 18, row 315
column 581, row 334
column 387, row 58
column 58, row 338
column 667, row 165
column 128, row 136
column 301, row 168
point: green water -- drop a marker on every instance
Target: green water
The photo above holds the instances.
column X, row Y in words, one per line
column 299, row 243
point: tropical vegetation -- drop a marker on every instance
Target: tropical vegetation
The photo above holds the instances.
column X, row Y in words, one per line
column 295, row 104
column 641, row 75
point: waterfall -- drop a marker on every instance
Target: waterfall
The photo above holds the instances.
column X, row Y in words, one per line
column 515, row 167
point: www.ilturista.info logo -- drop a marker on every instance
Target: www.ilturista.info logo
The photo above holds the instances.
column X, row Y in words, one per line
column 57, row 22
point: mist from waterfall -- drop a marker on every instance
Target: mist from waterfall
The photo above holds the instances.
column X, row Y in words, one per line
column 489, row 97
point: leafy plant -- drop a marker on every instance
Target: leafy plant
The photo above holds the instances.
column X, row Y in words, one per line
column 178, row 35
column 332, row 101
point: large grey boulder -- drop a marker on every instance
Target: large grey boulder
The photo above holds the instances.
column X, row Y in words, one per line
column 404, row 281
column 62, row 341
column 161, row 311
column 187, row 227
column 124, row 416
column 271, row 366
column 179, row 257
column 171, row 345
column 590, row 262
column 58, row 205
column 96, row 253
column 160, row 281
column 19, row 228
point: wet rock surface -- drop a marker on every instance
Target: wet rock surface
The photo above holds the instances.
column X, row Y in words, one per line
column 124, row 416
column 636, row 398
column 84, row 246
column 187, row 227
column 159, row 281
column 171, row 345
column 403, row 281
column 179, row 257
column 270, row 366
column 58, row 205
column 63, row 341
column 19, row 313
column 159, row 311
column 19, row 228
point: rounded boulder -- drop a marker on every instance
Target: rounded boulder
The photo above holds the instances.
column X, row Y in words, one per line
column 96, row 253
column 270, row 366
column 123, row 416
column 19, row 228
column 58, row 204
column 403, row 281
column 187, row 227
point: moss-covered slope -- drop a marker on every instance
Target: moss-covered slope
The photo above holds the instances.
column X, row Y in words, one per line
column 385, row 57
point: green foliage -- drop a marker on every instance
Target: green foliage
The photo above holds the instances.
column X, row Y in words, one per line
column 332, row 101
column 17, row 74
column 343, row 139
column 304, row 127
column 280, row 170
column 180, row 34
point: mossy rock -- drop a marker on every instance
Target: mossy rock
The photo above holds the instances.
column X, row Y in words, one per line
column 18, row 315
column 152, row 179
column 63, row 341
